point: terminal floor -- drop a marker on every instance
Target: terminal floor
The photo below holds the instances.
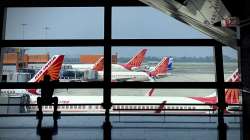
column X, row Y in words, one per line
column 123, row 128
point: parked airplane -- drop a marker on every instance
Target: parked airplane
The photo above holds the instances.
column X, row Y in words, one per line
column 170, row 65
column 231, row 97
column 133, row 64
column 76, row 75
column 159, row 71
column 51, row 68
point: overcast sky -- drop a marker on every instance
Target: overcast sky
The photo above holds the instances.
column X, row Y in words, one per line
column 87, row 23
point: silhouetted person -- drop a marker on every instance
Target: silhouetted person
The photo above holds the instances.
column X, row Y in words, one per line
column 47, row 97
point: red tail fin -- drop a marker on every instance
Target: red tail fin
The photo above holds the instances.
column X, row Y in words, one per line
column 52, row 68
column 99, row 65
column 136, row 61
column 232, row 95
column 150, row 92
column 161, row 107
column 161, row 68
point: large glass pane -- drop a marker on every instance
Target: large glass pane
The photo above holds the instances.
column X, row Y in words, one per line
column 149, row 23
column 164, row 64
column 231, row 74
column 54, row 23
column 164, row 101
column 230, row 63
column 73, row 100
column 68, row 64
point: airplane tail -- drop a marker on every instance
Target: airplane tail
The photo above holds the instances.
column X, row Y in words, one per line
column 51, row 68
column 170, row 63
column 99, row 65
column 150, row 92
column 231, row 95
column 136, row 61
column 161, row 68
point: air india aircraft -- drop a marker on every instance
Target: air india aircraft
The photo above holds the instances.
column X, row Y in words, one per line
column 132, row 65
column 53, row 68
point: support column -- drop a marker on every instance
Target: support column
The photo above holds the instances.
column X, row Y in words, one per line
column 245, row 68
column 2, row 35
column 107, row 69
column 245, row 78
column 222, row 126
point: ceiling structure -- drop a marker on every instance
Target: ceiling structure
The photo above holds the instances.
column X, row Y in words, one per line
column 212, row 17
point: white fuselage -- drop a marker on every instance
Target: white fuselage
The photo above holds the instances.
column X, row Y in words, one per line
column 115, row 67
column 123, row 100
column 13, row 92
column 82, row 66
column 127, row 76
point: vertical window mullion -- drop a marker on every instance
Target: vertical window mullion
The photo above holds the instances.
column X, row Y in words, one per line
column 220, row 91
column 107, row 58
column 2, row 32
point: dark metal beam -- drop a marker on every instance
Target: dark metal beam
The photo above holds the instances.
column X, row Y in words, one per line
column 222, row 127
column 120, row 114
column 125, row 85
column 107, row 68
column 53, row 3
column 245, row 68
column 2, row 35
column 63, row 85
column 68, row 3
column 113, row 42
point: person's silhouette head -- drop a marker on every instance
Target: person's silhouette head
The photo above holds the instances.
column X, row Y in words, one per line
column 46, row 78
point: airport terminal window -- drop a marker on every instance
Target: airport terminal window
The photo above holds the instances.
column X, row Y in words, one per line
column 230, row 63
column 117, row 36
column 67, row 97
column 102, row 24
column 148, row 23
column 79, row 64
column 54, row 23
column 164, row 64
column 167, row 101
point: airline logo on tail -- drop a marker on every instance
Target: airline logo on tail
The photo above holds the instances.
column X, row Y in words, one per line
column 136, row 61
column 170, row 63
column 99, row 65
column 231, row 95
column 51, row 68
column 161, row 69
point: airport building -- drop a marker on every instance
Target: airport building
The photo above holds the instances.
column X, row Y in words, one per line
column 199, row 88
column 91, row 59
column 20, row 67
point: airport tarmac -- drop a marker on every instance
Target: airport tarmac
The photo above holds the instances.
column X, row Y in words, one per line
column 182, row 72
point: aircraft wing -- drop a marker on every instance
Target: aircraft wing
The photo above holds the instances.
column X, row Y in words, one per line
column 200, row 14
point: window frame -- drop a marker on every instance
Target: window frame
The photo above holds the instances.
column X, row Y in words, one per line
column 108, row 43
